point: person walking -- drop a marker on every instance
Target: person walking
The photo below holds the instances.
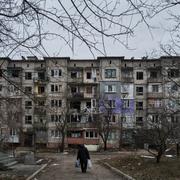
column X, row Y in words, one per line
column 83, row 156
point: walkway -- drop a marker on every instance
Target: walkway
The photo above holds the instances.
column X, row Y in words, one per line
column 63, row 169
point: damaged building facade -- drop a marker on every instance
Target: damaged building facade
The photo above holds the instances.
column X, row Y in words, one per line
column 35, row 94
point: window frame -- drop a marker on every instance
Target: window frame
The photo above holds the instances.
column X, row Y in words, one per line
column 110, row 73
column 139, row 74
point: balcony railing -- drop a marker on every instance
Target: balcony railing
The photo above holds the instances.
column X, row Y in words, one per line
column 154, row 94
column 77, row 95
column 151, row 79
column 127, row 79
column 40, row 110
column 75, row 80
column 40, row 80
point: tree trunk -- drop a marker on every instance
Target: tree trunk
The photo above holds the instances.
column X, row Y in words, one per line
column 158, row 157
column 62, row 144
column 105, row 145
column 177, row 149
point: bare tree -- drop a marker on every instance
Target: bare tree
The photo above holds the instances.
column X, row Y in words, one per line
column 10, row 120
column 103, row 121
column 61, row 126
column 162, row 128
column 161, row 132
column 25, row 23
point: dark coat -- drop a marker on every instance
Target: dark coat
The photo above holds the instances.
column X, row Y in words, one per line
column 83, row 153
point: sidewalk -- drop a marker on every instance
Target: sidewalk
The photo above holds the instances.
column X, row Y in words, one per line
column 63, row 168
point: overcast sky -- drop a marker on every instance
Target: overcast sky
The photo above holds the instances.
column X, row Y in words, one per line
column 143, row 42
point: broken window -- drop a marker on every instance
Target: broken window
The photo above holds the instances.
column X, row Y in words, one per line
column 88, row 75
column 173, row 73
column 55, row 118
column 155, row 118
column 74, row 89
column 75, row 118
column 155, row 88
column 28, row 104
column 88, row 104
column 139, row 121
column 41, row 75
column 41, row 89
column 1, row 73
column 41, row 103
column 28, row 90
column 28, row 75
column 89, row 89
column 15, row 73
column 139, row 90
column 139, row 75
column 74, row 74
column 28, row 119
column 110, row 73
column 75, row 105
column 153, row 74
column 139, row 105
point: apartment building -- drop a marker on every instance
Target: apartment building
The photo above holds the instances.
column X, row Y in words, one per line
column 35, row 94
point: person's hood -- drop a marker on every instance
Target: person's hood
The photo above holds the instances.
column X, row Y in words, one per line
column 81, row 145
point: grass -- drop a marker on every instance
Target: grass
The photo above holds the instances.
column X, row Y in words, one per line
column 147, row 169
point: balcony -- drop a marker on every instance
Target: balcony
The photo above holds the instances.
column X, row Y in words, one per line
column 154, row 95
column 139, row 124
column 41, row 80
column 72, row 81
column 77, row 95
column 39, row 110
column 80, row 125
column 152, row 110
column 127, row 79
column 90, row 96
column 154, row 80
column 125, row 69
column 39, row 126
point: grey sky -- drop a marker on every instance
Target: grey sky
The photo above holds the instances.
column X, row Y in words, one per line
column 143, row 41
